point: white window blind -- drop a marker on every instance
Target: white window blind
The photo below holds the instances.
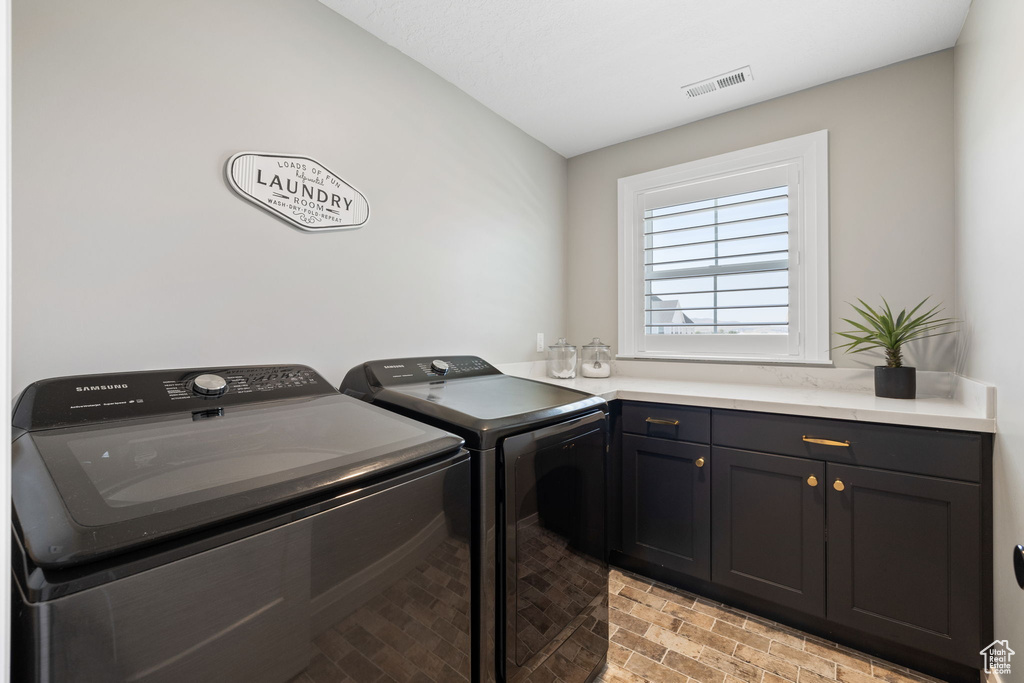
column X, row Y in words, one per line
column 727, row 257
column 718, row 266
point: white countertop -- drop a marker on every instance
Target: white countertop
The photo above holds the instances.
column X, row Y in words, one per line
column 947, row 401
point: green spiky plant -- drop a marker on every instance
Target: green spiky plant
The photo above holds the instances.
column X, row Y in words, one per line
column 882, row 330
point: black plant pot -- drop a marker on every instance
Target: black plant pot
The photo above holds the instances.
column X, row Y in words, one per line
column 895, row 382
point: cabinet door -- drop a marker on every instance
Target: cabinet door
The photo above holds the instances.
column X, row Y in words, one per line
column 768, row 534
column 666, row 503
column 903, row 559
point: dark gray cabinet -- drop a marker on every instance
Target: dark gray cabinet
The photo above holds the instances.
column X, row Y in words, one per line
column 666, row 503
column 768, row 532
column 676, row 423
column 877, row 534
column 904, row 558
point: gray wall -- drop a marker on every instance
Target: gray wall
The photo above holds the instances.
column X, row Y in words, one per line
column 130, row 251
column 891, row 192
column 989, row 113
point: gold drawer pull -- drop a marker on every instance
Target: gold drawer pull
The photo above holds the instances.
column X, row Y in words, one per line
column 826, row 442
column 812, row 480
column 699, row 462
column 656, row 421
column 839, row 485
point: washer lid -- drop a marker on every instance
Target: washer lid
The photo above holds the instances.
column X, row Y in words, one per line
column 485, row 409
column 85, row 491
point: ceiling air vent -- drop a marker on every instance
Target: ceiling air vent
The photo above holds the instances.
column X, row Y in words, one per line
column 726, row 80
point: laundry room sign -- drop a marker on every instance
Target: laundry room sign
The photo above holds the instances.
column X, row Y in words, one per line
column 298, row 190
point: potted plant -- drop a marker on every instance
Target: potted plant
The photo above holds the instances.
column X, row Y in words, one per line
column 880, row 329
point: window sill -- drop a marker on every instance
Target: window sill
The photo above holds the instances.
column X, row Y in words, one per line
column 731, row 360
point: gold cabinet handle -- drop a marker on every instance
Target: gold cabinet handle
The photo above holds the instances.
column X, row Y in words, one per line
column 812, row 480
column 656, row 421
column 839, row 485
column 699, row 462
column 826, row 442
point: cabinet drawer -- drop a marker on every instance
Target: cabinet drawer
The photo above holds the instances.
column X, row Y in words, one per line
column 935, row 452
column 678, row 423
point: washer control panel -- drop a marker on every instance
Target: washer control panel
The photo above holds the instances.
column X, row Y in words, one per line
column 85, row 399
column 209, row 385
column 398, row 371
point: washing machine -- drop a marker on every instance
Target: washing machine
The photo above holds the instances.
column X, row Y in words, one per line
column 539, row 455
column 234, row 524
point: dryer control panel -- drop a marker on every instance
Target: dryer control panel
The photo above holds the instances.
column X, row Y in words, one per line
column 85, row 399
column 397, row 371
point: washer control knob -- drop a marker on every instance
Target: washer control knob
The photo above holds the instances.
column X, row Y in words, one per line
column 439, row 366
column 209, row 385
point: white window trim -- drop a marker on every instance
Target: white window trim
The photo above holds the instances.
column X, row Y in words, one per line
column 808, row 255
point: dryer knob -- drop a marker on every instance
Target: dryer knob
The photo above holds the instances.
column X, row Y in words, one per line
column 209, row 385
column 439, row 366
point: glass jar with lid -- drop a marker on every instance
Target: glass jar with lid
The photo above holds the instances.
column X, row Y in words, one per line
column 562, row 360
column 596, row 360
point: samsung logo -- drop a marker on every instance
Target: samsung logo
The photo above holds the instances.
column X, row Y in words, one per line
column 392, row 367
column 102, row 387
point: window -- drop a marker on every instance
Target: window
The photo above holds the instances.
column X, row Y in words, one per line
column 727, row 258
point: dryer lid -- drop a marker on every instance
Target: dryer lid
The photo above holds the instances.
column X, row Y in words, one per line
column 483, row 410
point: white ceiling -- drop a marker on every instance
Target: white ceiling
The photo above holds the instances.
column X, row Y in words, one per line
column 583, row 74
